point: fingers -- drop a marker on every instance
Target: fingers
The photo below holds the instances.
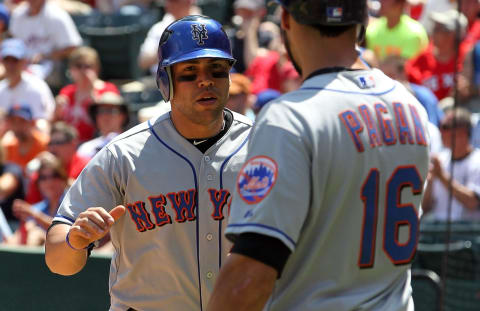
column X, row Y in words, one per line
column 93, row 224
column 117, row 212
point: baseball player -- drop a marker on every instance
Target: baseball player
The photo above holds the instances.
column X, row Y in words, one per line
column 325, row 213
column 162, row 189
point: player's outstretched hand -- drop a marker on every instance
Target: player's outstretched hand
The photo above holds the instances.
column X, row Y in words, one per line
column 92, row 225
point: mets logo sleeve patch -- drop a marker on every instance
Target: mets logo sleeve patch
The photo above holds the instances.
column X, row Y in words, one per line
column 256, row 179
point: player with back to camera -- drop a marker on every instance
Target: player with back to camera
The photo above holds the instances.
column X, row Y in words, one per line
column 163, row 188
column 325, row 216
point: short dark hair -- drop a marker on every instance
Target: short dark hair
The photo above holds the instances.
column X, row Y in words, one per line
column 332, row 31
column 67, row 130
column 48, row 160
column 461, row 117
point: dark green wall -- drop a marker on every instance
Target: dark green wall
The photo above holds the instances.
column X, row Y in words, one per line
column 27, row 284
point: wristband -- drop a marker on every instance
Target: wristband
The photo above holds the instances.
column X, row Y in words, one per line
column 67, row 239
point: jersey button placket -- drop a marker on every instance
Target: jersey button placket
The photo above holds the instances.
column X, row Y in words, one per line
column 209, row 274
column 209, row 237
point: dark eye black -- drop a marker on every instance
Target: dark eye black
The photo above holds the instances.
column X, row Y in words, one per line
column 218, row 66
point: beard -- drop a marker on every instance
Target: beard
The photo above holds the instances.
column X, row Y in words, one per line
column 289, row 52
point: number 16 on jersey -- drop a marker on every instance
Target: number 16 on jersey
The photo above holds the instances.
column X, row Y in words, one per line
column 397, row 214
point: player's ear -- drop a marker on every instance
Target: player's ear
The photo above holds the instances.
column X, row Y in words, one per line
column 285, row 19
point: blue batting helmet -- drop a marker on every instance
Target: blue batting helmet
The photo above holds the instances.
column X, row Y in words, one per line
column 191, row 37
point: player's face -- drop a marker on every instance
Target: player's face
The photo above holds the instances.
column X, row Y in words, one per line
column 286, row 41
column 200, row 90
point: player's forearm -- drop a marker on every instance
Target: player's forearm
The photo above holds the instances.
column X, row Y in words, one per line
column 243, row 284
column 60, row 258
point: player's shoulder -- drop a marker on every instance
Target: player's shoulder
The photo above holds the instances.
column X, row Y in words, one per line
column 343, row 84
column 239, row 120
column 140, row 132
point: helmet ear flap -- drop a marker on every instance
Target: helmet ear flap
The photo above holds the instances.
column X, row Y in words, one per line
column 163, row 77
column 164, row 82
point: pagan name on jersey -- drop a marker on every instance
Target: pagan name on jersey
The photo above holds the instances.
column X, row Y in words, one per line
column 381, row 127
column 175, row 206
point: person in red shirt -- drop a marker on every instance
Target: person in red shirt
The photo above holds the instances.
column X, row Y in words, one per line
column 63, row 144
column 74, row 99
column 271, row 71
column 435, row 67
column 269, row 66
column 471, row 9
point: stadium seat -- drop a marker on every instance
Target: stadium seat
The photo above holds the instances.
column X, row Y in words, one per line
column 118, row 48
column 461, row 295
column 117, row 39
column 427, row 290
column 219, row 10
column 462, row 261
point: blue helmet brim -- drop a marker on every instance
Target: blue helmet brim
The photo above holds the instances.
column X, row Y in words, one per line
column 199, row 53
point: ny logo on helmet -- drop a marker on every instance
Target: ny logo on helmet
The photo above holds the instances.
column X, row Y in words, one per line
column 199, row 33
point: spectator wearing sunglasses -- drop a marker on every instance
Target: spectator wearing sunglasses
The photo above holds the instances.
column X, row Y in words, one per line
column 111, row 115
column 74, row 99
column 53, row 182
column 455, row 130
column 63, row 144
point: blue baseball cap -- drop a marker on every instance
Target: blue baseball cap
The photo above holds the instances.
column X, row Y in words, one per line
column 13, row 48
column 4, row 15
column 264, row 97
column 23, row 112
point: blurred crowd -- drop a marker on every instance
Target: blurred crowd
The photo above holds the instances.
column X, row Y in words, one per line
column 57, row 112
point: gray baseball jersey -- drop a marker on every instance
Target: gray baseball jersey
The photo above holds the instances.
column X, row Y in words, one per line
column 335, row 170
column 169, row 245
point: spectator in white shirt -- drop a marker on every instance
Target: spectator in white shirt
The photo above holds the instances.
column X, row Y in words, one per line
column 20, row 87
column 49, row 33
column 174, row 9
column 465, row 182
